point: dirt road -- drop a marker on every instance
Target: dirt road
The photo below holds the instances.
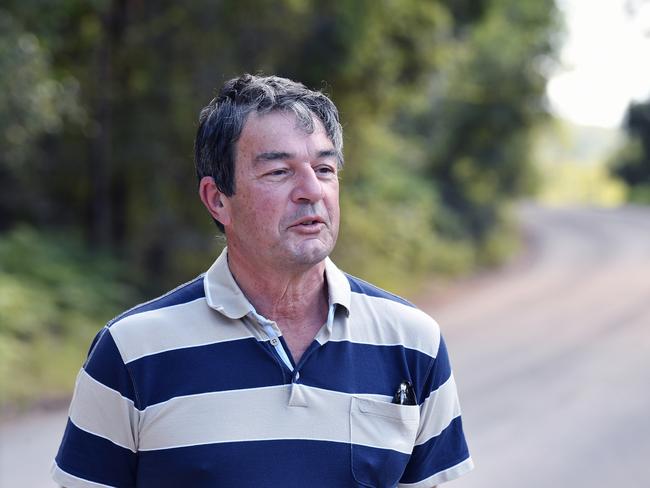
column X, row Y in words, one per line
column 27, row 448
column 552, row 358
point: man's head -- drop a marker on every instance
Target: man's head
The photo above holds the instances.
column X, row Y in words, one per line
column 221, row 122
column 268, row 152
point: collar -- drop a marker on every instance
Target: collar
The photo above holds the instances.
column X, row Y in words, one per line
column 224, row 295
column 338, row 286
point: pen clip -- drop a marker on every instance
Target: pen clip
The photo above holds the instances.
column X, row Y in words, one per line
column 404, row 394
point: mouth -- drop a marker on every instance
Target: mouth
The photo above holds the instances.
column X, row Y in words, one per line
column 308, row 222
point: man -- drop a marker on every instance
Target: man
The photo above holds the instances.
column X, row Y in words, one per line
column 274, row 368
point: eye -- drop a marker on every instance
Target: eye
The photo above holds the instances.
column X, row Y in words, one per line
column 325, row 169
column 278, row 172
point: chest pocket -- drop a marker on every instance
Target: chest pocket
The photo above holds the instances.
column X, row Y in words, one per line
column 382, row 435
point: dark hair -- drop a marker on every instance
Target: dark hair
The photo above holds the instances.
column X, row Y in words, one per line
column 222, row 120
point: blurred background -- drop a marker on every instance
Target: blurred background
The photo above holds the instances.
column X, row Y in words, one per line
column 497, row 172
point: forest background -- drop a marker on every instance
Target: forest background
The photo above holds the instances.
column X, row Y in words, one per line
column 99, row 102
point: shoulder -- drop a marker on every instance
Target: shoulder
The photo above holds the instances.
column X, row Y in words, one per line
column 142, row 327
column 182, row 294
column 393, row 318
column 361, row 287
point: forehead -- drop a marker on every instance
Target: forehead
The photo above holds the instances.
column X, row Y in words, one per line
column 279, row 128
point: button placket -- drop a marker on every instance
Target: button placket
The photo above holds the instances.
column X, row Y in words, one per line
column 270, row 329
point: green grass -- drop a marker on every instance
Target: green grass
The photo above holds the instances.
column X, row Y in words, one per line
column 54, row 297
column 575, row 184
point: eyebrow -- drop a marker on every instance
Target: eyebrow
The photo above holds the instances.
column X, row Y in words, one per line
column 328, row 153
column 279, row 155
column 272, row 156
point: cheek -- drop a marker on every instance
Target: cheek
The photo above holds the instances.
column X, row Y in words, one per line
column 332, row 203
column 261, row 210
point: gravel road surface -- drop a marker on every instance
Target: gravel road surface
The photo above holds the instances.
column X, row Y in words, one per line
column 552, row 356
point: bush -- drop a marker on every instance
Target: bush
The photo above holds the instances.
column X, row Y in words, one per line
column 54, row 297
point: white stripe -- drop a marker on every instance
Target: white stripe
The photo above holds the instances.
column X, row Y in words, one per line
column 266, row 414
column 382, row 322
column 104, row 412
column 442, row 476
column 139, row 305
column 178, row 326
column 372, row 396
column 70, row 481
column 438, row 411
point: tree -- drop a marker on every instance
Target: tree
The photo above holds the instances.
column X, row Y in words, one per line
column 436, row 98
column 34, row 103
column 483, row 104
column 632, row 163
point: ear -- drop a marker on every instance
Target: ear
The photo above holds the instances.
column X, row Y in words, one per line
column 214, row 200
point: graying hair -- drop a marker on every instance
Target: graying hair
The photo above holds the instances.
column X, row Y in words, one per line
column 222, row 121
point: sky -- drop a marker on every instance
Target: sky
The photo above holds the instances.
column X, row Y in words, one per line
column 605, row 61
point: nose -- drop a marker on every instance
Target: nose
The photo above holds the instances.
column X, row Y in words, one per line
column 308, row 188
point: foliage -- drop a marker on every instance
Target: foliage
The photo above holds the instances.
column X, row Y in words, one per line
column 54, row 297
column 459, row 82
column 632, row 163
column 99, row 103
column 484, row 102
column 572, row 164
column 386, row 240
column 32, row 104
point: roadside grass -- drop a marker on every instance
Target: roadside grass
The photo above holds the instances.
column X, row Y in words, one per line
column 573, row 161
column 54, row 297
column 640, row 194
column 580, row 184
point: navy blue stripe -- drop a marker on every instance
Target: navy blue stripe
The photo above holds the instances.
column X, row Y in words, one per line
column 377, row 467
column 285, row 346
column 96, row 459
column 437, row 454
column 359, row 286
column 105, row 364
column 286, row 463
column 232, row 365
column 246, row 363
column 440, row 372
column 183, row 294
column 365, row 368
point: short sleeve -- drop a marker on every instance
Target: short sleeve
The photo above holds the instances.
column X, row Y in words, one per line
column 100, row 440
column 440, row 453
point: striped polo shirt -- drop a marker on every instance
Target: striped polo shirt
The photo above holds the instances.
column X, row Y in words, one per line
column 196, row 389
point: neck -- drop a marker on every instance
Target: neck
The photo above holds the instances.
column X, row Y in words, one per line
column 282, row 295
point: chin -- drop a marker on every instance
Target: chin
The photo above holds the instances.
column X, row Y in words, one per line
column 312, row 254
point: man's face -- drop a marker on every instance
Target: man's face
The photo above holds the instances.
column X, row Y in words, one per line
column 285, row 210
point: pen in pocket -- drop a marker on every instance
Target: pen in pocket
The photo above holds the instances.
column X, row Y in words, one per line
column 404, row 394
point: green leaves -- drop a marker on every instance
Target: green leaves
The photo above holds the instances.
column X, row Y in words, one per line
column 98, row 109
column 54, row 297
column 436, row 97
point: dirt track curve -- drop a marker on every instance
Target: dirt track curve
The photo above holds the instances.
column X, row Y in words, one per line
column 552, row 358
